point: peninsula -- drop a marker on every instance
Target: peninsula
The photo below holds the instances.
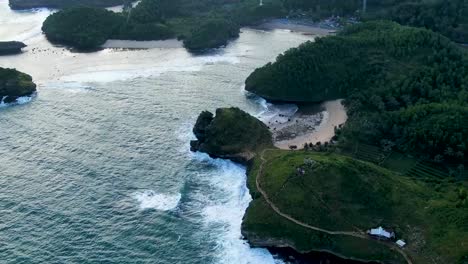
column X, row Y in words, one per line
column 405, row 97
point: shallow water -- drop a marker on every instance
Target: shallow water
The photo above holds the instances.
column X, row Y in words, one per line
column 97, row 167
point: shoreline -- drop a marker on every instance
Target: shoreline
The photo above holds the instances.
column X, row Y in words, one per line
column 300, row 128
column 137, row 44
column 295, row 26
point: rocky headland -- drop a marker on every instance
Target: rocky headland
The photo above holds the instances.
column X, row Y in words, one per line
column 231, row 134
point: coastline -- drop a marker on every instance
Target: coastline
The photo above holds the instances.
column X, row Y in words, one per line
column 135, row 44
column 303, row 128
column 295, row 26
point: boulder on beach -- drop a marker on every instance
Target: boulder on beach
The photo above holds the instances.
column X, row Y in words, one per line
column 11, row 47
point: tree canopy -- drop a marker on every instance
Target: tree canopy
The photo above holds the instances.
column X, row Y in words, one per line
column 401, row 84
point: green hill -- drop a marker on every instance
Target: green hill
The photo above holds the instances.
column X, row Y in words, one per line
column 338, row 193
column 390, row 75
column 14, row 84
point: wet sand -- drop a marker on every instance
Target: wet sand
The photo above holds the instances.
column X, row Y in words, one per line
column 133, row 44
column 302, row 128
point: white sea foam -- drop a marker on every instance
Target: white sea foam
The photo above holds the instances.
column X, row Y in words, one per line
column 19, row 101
column 275, row 112
column 152, row 200
column 71, row 87
column 227, row 211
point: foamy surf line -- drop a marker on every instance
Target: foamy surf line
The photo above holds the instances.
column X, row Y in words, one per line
column 19, row 101
column 152, row 200
column 224, row 215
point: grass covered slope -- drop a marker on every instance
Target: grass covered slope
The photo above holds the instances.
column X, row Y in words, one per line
column 14, row 84
column 232, row 133
column 338, row 193
column 389, row 75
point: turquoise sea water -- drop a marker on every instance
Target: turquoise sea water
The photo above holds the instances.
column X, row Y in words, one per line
column 97, row 167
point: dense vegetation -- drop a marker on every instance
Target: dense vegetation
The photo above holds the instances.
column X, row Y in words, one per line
column 449, row 18
column 342, row 194
column 211, row 34
column 231, row 133
column 82, row 27
column 14, row 84
column 27, row 4
column 202, row 25
column 11, row 47
column 405, row 87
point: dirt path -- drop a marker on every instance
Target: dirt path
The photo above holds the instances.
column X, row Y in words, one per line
column 315, row 228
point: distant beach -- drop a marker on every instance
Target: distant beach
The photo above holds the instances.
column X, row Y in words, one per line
column 133, row 44
column 304, row 127
column 306, row 28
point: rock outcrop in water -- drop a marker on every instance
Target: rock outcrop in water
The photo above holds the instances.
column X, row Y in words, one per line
column 28, row 4
column 11, row 47
column 14, row 84
column 232, row 134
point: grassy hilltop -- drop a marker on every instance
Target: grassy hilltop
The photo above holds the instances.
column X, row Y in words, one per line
column 338, row 193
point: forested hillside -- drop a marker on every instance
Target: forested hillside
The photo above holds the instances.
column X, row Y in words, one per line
column 403, row 86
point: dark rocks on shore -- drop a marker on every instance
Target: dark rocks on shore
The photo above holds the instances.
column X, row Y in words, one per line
column 11, row 47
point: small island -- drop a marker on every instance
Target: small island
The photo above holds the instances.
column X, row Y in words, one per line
column 200, row 27
column 204, row 24
column 15, row 84
column 11, row 47
column 391, row 186
column 231, row 134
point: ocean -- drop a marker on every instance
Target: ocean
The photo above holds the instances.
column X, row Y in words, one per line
column 96, row 168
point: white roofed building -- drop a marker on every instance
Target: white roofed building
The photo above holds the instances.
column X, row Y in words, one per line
column 401, row 243
column 380, row 232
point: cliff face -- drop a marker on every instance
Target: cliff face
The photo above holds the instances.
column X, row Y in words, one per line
column 28, row 4
column 11, row 47
column 14, row 84
column 231, row 134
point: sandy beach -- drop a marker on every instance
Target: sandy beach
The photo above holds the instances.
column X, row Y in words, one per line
column 133, row 44
column 303, row 128
column 295, row 26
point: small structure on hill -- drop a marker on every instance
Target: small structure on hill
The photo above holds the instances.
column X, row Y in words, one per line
column 381, row 233
column 401, row 243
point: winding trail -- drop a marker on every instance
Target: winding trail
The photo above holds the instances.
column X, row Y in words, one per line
column 360, row 234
